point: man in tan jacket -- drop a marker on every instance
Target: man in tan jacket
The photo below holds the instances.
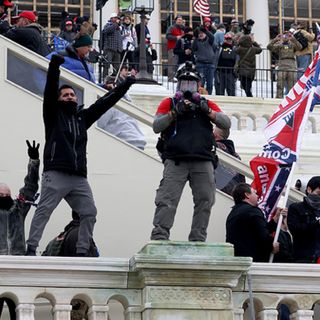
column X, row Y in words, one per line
column 304, row 56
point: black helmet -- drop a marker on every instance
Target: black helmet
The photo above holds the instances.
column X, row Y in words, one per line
column 187, row 71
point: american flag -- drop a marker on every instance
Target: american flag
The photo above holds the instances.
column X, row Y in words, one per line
column 284, row 131
column 202, row 7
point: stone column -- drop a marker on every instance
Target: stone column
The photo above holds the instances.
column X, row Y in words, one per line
column 259, row 12
column 61, row 311
column 133, row 313
column 187, row 280
column 25, row 311
column 268, row 314
column 98, row 313
column 302, row 315
column 238, row 314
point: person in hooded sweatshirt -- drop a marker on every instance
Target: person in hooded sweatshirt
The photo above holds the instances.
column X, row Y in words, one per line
column 247, row 51
column 28, row 33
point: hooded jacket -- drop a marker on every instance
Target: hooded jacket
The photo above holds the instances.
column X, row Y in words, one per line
column 247, row 62
column 66, row 125
column 29, row 37
column 12, row 234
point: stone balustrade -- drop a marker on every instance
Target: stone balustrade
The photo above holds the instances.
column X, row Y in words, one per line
column 165, row 280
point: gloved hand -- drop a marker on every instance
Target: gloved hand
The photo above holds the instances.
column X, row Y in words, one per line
column 130, row 81
column 180, row 107
column 57, row 60
column 33, row 151
column 204, row 106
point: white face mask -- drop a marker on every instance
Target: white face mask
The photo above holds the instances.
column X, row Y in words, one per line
column 188, row 85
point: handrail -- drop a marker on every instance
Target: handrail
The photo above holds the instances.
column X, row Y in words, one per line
column 92, row 91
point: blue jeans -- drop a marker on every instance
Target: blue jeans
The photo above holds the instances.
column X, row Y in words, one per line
column 206, row 71
column 303, row 63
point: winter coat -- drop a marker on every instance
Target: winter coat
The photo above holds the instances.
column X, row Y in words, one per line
column 247, row 66
column 12, row 234
column 29, row 37
column 183, row 44
column 304, row 227
column 205, row 50
column 248, row 231
column 111, row 37
column 171, row 35
column 75, row 64
column 66, row 126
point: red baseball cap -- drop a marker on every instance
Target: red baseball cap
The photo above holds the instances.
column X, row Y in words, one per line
column 26, row 14
column 206, row 19
column 69, row 22
column 6, row 3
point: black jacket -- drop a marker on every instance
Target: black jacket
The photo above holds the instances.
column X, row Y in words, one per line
column 12, row 235
column 249, row 232
column 29, row 37
column 189, row 138
column 303, row 226
column 66, row 127
column 183, row 44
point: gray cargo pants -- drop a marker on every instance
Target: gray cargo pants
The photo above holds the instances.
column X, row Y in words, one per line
column 200, row 175
column 76, row 191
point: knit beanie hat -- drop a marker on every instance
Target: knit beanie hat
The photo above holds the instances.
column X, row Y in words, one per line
column 83, row 41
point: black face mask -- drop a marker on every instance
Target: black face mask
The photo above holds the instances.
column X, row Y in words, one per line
column 6, row 203
column 69, row 107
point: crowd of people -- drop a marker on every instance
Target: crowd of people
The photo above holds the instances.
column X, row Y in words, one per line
column 191, row 127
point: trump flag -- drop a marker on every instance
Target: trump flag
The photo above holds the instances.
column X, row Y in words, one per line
column 283, row 132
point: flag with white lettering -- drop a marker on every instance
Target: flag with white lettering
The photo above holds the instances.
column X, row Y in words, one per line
column 284, row 131
column 202, row 7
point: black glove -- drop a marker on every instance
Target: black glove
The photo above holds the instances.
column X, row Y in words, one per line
column 129, row 81
column 57, row 60
column 33, row 151
column 180, row 108
column 204, row 106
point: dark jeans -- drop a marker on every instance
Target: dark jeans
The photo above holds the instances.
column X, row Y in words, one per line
column 246, row 84
column 225, row 81
column 206, row 71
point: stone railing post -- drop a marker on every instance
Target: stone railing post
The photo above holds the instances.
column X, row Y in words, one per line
column 98, row 313
column 25, row 311
column 186, row 280
column 133, row 313
column 268, row 314
column 62, row 312
column 302, row 315
column 238, row 314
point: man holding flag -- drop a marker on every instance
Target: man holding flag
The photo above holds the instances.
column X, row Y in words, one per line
column 284, row 132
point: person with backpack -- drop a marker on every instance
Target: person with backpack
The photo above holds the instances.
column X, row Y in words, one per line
column 305, row 38
column 187, row 148
column 64, row 244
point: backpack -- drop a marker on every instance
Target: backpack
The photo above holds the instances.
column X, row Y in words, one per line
column 302, row 39
column 54, row 246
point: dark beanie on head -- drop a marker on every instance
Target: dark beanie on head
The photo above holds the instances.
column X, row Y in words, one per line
column 83, row 41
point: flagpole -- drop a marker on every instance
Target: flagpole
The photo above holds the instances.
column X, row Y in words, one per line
column 282, row 204
column 302, row 128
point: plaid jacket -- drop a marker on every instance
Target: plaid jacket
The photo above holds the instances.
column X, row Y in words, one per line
column 111, row 37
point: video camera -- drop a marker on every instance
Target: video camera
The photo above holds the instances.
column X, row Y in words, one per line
column 246, row 27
